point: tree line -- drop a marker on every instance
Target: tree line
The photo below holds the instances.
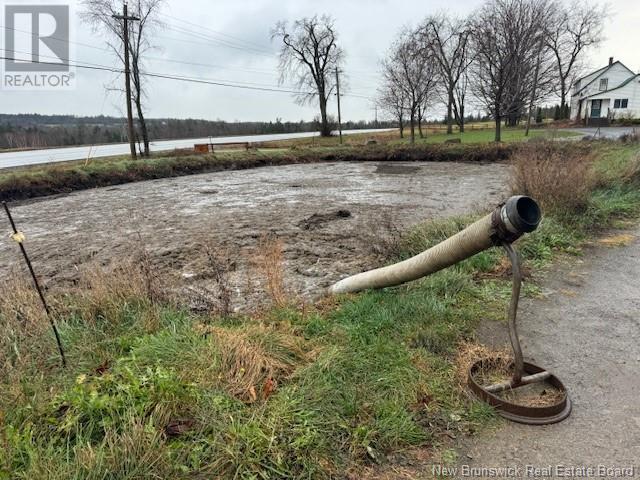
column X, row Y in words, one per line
column 504, row 59
column 40, row 131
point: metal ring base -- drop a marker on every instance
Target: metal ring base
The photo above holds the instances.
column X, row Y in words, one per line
column 521, row 413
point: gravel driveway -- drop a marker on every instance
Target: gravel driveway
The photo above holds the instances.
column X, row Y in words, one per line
column 586, row 330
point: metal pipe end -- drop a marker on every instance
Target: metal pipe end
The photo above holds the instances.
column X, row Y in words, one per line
column 523, row 214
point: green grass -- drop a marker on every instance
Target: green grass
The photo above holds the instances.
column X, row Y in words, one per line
column 475, row 133
column 353, row 395
column 154, row 391
column 488, row 135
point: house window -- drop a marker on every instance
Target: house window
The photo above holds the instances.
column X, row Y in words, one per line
column 621, row 103
column 604, row 83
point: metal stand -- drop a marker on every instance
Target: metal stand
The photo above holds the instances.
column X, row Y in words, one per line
column 19, row 240
column 524, row 373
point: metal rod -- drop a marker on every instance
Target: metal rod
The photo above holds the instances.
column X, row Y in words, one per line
column 501, row 387
column 518, row 371
column 37, row 285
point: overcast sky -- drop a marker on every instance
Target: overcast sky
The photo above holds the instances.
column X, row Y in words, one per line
column 234, row 42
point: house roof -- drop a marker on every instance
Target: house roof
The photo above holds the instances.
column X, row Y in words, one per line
column 599, row 73
column 592, row 73
column 626, row 82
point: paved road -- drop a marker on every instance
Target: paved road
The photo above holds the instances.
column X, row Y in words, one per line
column 586, row 329
column 53, row 155
column 608, row 132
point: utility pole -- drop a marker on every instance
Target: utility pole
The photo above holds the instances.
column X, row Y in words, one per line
column 339, row 113
column 127, row 74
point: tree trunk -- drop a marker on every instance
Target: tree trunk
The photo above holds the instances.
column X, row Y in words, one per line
column 413, row 128
column 563, row 99
column 401, row 122
column 143, row 126
column 498, row 128
column 420, row 122
column 325, row 131
column 461, row 119
column 450, row 112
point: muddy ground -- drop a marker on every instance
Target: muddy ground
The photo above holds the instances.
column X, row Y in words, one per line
column 327, row 216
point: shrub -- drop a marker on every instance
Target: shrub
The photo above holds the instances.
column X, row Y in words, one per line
column 560, row 177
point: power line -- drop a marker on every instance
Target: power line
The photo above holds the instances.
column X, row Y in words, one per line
column 63, row 40
column 169, row 60
column 216, row 32
column 209, row 65
column 194, row 79
column 178, row 78
column 60, row 61
column 218, row 41
column 162, row 75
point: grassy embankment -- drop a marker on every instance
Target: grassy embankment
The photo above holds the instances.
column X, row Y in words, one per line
column 37, row 181
column 155, row 391
column 475, row 133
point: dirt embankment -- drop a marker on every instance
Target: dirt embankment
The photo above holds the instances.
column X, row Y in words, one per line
column 22, row 185
column 329, row 217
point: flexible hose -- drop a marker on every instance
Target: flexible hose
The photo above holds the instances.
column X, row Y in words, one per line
column 507, row 223
column 468, row 242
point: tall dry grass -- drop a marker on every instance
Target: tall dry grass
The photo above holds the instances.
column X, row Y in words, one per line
column 221, row 266
column 269, row 263
column 250, row 361
column 23, row 323
column 560, row 177
column 102, row 292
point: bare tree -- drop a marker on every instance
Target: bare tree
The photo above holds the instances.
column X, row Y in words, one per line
column 413, row 74
column 506, row 39
column 100, row 15
column 459, row 104
column 309, row 56
column 577, row 27
column 447, row 40
column 393, row 100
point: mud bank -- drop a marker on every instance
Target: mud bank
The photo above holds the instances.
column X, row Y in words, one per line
column 327, row 215
column 54, row 180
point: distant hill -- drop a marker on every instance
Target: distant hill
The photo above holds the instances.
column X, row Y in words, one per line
column 39, row 131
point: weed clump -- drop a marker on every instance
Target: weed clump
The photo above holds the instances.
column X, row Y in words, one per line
column 560, row 177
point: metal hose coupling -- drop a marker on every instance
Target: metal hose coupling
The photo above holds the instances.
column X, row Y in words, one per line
column 511, row 220
column 514, row 218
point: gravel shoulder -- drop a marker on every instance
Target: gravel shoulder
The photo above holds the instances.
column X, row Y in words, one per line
column 586, row 329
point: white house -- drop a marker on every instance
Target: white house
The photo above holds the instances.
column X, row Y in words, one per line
column 612, row 92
